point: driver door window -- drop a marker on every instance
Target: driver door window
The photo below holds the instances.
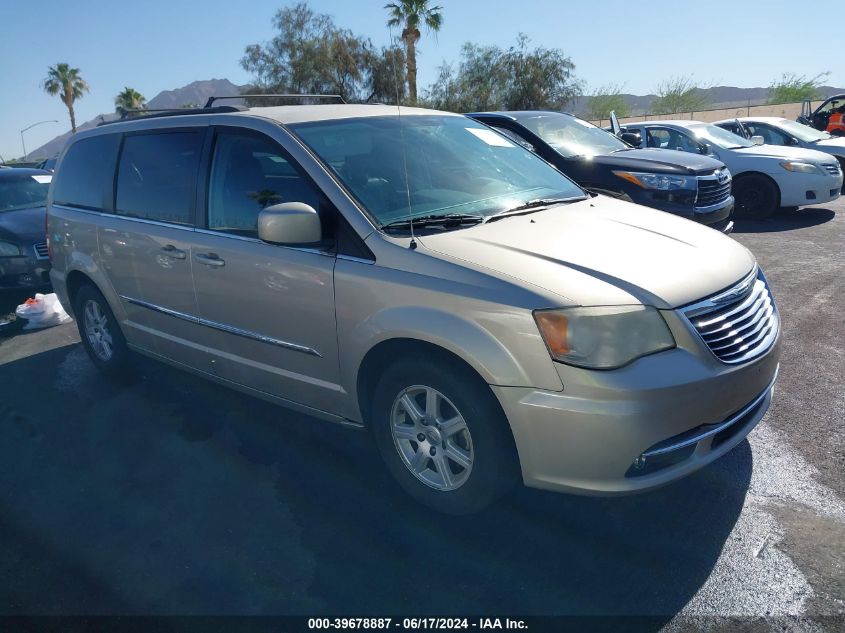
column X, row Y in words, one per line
column 770, row 135
column 248, row 174
column 671, row 139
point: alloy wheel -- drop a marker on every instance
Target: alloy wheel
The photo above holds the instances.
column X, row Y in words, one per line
column 432, row 438
column 97, row 330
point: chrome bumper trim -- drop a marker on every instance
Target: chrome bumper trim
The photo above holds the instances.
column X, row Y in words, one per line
column 719, row 427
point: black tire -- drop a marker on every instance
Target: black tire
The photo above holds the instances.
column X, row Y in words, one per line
column 757, row 197
column 788, row 209
column 114, row 364
column 494, row 465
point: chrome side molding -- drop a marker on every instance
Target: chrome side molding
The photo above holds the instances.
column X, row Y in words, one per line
column 229, row 329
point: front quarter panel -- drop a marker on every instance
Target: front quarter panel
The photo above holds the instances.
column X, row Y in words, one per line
column 492, row 331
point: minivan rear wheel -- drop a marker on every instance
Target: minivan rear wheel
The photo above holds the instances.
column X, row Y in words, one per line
column 756, row 197
column 100, row 333
column 442, row 435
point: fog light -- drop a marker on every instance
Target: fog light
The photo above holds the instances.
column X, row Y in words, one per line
column 811, row 195
column 639, row 463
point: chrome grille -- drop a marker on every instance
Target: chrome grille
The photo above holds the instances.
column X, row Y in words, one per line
column 738, row 324
column 41, row 250
column 713, row 189
column 833, row 168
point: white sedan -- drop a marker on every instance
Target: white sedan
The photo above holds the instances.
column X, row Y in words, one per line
column 780, row 131
column 765, row 177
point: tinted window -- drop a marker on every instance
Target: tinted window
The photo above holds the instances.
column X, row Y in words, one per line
column 671, row 139
column 87, row 173
column 156, row 178
column 770, row 135
column 249, row 173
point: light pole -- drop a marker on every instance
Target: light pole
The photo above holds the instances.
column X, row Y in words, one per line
column 29, row 128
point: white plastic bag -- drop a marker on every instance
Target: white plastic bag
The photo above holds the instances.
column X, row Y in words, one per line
column 42, row 311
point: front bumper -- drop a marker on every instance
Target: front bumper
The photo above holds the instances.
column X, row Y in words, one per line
column 717, row 216
column 808, row 189
column 591, row 437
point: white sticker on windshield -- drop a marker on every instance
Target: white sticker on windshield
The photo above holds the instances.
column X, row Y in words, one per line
column 43, row 179
column 490, row 137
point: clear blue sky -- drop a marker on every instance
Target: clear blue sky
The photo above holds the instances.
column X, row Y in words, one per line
column 157, row 45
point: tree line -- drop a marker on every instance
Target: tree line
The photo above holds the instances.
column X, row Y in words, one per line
column 310, row 54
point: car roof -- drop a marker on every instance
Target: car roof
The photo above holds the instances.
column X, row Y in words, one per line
column 761, row 119
column 23, row 171
column 516, row 115
column 669, row 122
column 331, row 111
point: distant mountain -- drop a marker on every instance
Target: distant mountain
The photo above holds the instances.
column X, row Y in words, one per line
column 717, row 97
column 195, row 93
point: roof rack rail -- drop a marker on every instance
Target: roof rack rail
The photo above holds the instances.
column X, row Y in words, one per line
column 154, row 114
column 211, row 100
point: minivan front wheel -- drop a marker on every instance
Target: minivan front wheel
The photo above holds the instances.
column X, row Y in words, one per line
column 442, row 435
column 99, row 331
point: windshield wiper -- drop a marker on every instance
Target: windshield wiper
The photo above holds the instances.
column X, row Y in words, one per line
column 445, row 220
column 531, row 206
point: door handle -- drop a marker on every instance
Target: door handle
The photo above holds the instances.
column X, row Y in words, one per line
column 210, row 259
column 172, row 251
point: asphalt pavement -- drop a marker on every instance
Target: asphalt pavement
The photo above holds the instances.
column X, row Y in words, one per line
column 169, row 495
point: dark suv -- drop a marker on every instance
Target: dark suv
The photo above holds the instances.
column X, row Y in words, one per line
column 24, row 262
column 692, row 186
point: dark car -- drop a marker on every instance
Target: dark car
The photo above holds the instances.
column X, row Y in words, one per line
column 24, row 261
column 693, row 186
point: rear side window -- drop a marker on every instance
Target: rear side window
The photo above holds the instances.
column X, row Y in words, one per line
column 87, row 172
column 156, row 178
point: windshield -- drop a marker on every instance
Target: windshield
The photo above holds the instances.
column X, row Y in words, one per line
column 454, row 165
column 23, row 191
column 801, row 132
column 719, row 137
column 572, row 137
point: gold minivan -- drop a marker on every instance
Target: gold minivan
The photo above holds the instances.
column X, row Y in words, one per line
column 418, row 274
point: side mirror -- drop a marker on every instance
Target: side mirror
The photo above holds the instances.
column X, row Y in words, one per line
column 289, row 223
column 757, row 140
column 706, row 149
column 632, row 138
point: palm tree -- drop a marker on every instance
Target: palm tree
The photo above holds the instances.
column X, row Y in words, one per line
column 410, row 14
column 129, row 99
column 66, row 82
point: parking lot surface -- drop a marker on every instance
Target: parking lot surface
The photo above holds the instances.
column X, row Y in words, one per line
column 169, row 495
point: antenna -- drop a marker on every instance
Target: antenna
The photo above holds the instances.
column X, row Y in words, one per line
column 413, row 244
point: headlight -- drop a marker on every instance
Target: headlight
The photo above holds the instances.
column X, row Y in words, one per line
column 801, row 167
column 661, row 182
column 603, row 337
column 7, row 249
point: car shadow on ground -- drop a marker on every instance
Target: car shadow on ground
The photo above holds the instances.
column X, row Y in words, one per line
column 787, row 220
column 368, row 548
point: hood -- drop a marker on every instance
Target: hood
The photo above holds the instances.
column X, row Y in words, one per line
column 602, row 251
column 23, row 226
column 784, row 153
column 835, row 145
column 661, row 161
